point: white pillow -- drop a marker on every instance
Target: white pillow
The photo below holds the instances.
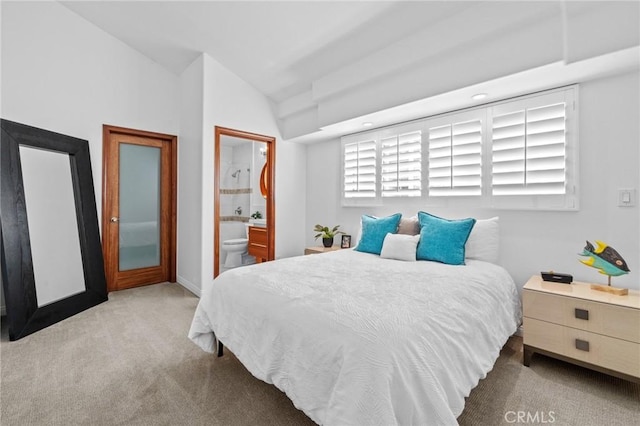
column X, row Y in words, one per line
column 400, row 247
column 484, row 241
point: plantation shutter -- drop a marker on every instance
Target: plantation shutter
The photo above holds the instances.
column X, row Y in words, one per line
column 529, row 150
column 401, row 169
column 360, row 169
column 519, row 153
column 455, row 158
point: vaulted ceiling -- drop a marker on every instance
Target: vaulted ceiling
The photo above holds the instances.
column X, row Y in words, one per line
column 326, row 66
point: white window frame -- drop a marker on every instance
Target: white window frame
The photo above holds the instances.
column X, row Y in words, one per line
column 357, row 199
column 569, row 201
column 454, row 119
column 397, row 133
column 377, row 135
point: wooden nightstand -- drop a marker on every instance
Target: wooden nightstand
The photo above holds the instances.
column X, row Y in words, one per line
column 582, row 326
column 320, row 249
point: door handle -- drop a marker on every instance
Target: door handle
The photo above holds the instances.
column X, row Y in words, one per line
column 115, row 219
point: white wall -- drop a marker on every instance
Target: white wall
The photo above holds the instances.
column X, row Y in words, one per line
column 483, row 42
column 532, row 241
column 231, row 102
column 189, row 235
column 61, row 73
column 213, row 96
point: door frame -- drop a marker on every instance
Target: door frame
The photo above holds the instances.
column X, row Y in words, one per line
column 172, row 141
column 270, row 141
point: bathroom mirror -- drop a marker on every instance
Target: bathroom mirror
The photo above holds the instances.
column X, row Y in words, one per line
column 264, row 179
column 244, row 196
column 52, row 265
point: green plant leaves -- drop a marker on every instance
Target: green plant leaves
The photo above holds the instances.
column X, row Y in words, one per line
column 325, row 232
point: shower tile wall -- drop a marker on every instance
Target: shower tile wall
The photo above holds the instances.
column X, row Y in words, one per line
column 240, row 168
column 235, row 181
column 235, row 191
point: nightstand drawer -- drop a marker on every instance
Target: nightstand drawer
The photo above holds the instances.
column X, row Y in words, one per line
column 596, row 317
column 615, row 354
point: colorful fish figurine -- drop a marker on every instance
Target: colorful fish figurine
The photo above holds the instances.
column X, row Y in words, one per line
column 605, row 259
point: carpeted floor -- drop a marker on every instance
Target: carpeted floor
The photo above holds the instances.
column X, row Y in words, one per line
column 128, row 362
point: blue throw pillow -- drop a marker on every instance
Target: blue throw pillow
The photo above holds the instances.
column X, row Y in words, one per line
column 443, row 240
column 374, row 230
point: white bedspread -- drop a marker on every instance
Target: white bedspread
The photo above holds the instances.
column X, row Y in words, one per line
column 354, row 339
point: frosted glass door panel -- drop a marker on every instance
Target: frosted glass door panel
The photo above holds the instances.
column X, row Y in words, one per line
column 139, row 235
column 53, row 224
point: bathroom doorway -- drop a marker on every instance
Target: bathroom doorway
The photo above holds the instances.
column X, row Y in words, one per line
column 243, row 198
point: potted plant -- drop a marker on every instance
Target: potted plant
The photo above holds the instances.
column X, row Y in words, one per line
column 327, row 234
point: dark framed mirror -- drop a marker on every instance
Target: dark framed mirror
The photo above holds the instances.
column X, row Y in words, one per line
column 52, row 265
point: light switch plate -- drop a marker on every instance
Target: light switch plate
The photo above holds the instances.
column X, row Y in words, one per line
column 627, row 197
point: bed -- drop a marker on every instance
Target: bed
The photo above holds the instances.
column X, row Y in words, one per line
column 353, row 338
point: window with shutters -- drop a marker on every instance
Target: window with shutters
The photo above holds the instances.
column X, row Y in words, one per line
column 519, row 153
column 401, row 169
column 534, row 152
column 455, row 155
column 360, row 169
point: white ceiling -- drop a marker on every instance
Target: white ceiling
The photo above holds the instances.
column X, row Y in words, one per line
column 280, row 47
column 301, row 53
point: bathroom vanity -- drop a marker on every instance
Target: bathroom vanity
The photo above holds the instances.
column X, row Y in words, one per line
column 258, row 243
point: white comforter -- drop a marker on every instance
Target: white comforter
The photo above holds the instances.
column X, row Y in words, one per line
column 354, row 339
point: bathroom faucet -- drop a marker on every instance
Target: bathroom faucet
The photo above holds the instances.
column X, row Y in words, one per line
column 239, row 210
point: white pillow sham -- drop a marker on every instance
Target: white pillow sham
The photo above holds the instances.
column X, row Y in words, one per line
column 400, row 247
column 484, row 241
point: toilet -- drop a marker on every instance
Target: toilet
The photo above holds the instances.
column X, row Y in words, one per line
column 236, row 252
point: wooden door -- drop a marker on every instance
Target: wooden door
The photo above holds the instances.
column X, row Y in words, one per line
column 138, row 207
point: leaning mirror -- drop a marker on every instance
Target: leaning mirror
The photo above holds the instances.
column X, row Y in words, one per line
column 52, row 266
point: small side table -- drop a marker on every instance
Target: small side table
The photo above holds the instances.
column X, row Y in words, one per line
column 320, row 249
column 576, row 324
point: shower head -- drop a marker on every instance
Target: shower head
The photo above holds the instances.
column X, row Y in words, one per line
column 236, row 173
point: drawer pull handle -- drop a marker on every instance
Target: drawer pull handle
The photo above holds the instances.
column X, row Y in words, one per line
column 582, row 345
column 582, row 314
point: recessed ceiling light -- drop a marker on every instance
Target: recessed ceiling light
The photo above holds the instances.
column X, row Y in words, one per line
column 479, row 96
column 367, row 124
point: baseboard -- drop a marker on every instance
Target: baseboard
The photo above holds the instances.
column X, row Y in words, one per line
column 189, row 285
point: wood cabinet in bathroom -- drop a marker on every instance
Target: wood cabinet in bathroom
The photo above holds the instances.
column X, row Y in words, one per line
column 258, row 243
